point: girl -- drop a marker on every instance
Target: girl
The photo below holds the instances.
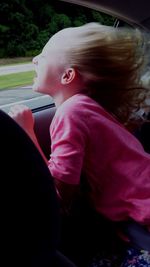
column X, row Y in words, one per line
column 93, row 74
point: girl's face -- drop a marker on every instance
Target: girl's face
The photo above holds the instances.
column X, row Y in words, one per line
column 49, row 67
column 52, row 62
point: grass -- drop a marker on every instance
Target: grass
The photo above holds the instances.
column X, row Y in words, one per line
column 16, row 79
column 14, row 61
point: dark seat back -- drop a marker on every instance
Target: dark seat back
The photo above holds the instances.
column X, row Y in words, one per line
column 29, row 208
column 143, row 134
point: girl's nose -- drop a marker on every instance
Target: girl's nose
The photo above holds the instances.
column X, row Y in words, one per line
column 35, row 60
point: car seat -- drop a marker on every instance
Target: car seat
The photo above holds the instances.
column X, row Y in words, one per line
column 29, row 207
column 143, row 134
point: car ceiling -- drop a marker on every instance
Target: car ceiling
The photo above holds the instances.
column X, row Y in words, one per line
column 132, row 11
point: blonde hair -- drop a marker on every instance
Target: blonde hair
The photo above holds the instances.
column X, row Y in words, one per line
column 110, row 62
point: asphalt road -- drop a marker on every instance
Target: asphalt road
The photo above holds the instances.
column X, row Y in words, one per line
column 4, row 70
column 15, row 95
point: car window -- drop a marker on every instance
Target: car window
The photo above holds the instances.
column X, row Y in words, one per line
column 23, row 36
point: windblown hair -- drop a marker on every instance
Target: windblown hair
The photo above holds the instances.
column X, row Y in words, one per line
column 110, row 62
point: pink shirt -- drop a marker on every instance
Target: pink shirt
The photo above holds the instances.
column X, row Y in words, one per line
column 86, row 138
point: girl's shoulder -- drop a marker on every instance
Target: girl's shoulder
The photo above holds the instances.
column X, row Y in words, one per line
column 81, row 106
column 78, row 103
column 75, row 110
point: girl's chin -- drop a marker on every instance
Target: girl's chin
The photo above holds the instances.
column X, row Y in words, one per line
column 35, row 80
column 35, row 87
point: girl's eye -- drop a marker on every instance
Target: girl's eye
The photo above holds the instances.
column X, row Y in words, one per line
column 42, row 56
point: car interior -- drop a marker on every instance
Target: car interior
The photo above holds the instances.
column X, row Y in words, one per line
column 30, row 212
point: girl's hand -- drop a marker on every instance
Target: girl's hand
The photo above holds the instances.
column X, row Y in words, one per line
column 23, row 116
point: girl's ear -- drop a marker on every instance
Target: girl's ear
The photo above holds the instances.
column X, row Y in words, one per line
column 68, row 76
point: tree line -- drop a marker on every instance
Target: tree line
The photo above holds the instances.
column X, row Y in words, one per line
column 26, row 25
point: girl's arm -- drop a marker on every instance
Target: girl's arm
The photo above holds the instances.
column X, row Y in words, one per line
column 24, row 117
column 67, row 195
column 66, row 192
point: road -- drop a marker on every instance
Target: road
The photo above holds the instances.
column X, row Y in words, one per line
column 23, row 95
column 4, row 70
column 16, row 95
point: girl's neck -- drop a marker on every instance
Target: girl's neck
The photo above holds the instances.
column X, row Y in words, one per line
column 59, row 99
column 62, row 96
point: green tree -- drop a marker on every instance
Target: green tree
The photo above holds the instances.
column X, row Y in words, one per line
column 80, row 20
column 26, row 25
column 103, row 18
column 58, row 22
